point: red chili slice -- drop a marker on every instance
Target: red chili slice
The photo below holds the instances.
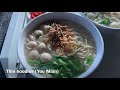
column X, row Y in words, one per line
column 35, row 14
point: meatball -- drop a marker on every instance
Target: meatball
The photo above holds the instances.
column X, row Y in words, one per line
column 38, row 33
column 47, row 27
column 33, row 54
column 46, row 40
column 32, row 38
column 45, row 57
column 32, row 44
column 41, row 47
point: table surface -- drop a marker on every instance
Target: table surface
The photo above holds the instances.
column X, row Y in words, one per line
column 110, row 64
column 4, row 23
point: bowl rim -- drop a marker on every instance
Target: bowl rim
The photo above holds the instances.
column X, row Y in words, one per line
column 84, row 74
column 100, row 25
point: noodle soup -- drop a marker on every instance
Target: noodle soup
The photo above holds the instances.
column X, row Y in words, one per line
column 60, row 45
column 110, row 19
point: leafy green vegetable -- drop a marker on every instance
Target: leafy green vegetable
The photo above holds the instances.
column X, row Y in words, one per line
column 106, row 21
column 68, row 66
column 89, row 60
column 33, row 62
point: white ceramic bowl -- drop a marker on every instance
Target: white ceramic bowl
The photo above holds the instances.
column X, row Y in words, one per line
column 67, row 16
column 103, row 28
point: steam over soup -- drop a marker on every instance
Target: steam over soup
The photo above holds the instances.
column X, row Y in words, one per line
column 111, row 19
column 60, row 45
